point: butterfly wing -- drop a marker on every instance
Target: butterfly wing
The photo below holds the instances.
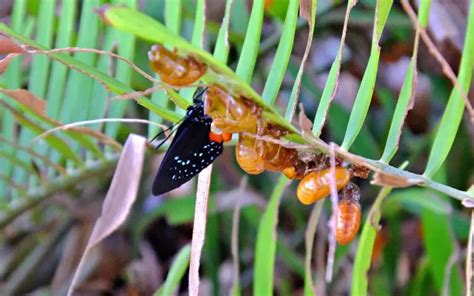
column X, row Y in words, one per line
column 189, row 153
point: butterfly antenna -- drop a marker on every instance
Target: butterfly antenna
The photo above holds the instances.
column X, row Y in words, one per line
column 164, row 140
column 172, row 129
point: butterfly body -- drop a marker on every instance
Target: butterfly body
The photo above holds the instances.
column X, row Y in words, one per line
column 191, row 151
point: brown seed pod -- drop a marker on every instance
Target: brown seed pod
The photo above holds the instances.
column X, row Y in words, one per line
column 316, row 185
column 173, row 69
column 347, row 217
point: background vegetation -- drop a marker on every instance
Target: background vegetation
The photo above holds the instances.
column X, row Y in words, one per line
column 259, row 239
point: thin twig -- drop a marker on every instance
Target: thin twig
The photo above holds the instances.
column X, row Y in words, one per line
column 235, row 240
column 309, row 240
column 448, row 271
column 332, row 225
column 97, row 51
column 469, row 257
column 94, row 121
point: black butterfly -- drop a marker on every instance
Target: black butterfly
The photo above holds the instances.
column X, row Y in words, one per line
column 190, row 152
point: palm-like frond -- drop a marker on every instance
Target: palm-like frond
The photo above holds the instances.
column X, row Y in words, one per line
column 80, row 86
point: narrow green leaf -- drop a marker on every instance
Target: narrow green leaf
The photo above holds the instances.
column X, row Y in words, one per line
column 415, row 200
column 282, row 55
column 366, row 89
column 295, row 91
column 265, row 249
column 55, row 142
column 79, row 87
column 176, row 273
column 452, row 115
column 424, row 12
column 362, row 101
column 240, row 17
column 382, row 9
column 401, row 110
column 248, row 56
column 160, row 98
column 366, row 244
column 333, row 76
column 15, row 160
column 173, row 15
column 11, row 78
column 40, row 63
column 221, row 51
column 440, row 245
column 199, row 25
column 125, row 48
column 57, row 81
column 328, row 91
column 39, row 71
column 198, row 42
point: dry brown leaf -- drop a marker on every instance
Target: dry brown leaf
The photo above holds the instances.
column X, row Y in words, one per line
column 8, row 46
column 305, row 123
column 305, row 10
column 384, row 179
column 119, row 199
column 74, row 246
column 26, row 98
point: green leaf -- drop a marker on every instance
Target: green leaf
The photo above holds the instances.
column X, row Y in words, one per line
column 248, row 56
column 55, row 142
column 173, row 15
column 282, row 55
column 160, row 98
column 126, row 48
column 265, row 249
column 330, row 86
column 440, row 245
column 360, row 281
column 176, row 273
column 366, row 89
column 453, row 113
column 424, row 12
column 39, row 68
column 362, row 101
column 11, row 78
column 401, row 110
column 221, row 50
column 79, row 87
column 57, row 81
